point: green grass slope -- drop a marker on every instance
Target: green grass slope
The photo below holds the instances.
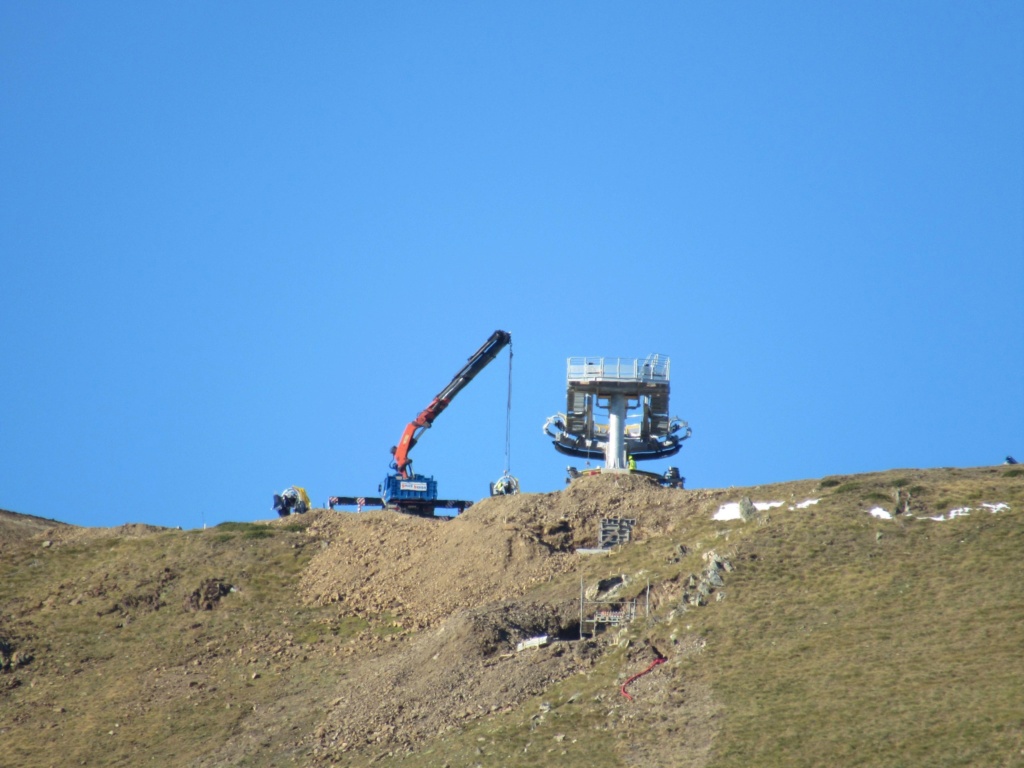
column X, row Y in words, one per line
column 833, row 638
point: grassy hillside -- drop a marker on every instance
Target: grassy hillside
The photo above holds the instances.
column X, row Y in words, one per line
column 811, row 633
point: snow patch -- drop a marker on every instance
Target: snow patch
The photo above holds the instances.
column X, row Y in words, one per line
column 961, row 512
column 806, row 504
column 964, row 511
column 730, row 511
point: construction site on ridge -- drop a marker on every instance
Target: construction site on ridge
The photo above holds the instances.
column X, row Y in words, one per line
column 623, row 620
column 633, row 393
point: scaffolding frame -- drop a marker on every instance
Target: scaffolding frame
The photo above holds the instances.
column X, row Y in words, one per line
column 618, row 613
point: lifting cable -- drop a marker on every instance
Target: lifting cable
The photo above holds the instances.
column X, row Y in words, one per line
column 508, row 416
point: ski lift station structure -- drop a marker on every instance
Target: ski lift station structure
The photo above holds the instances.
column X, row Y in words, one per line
column 618, row 385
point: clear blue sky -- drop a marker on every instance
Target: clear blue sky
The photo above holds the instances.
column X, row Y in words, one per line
column 243, row 244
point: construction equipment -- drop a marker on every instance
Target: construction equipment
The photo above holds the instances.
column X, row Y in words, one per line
column 506, row 485
column 293, row 499
column 404, row 490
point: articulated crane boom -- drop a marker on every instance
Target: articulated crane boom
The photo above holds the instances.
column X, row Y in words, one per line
column 414, row 429
column 417, row 494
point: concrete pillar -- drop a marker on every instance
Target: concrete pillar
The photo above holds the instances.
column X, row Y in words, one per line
column 615, row 452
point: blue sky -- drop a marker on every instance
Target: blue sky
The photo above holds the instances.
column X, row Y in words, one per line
column 242, row 245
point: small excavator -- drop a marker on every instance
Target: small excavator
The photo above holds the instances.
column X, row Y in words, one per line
column 405, row 491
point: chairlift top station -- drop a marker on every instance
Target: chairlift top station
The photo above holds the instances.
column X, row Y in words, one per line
column 618, row 385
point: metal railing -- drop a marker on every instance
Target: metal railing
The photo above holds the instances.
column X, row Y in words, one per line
column 653, row 368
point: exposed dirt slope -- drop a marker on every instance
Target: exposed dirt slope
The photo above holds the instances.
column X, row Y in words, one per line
column 459, row 583
column 421, row 571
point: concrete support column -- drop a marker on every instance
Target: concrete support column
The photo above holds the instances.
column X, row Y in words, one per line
column 615, row 452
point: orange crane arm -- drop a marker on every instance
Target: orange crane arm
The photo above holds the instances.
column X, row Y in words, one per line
column 414, row 429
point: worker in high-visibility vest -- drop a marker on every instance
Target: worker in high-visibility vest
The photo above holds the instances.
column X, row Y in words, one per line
column 631, row 463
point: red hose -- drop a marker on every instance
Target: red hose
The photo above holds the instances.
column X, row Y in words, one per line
column 656, row 662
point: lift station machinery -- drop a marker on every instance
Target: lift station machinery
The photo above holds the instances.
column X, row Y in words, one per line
column 619, row 386
column 405, row 491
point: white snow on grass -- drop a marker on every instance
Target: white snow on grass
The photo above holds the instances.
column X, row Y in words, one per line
column 993, row 508
column 961, row 512
column 964, row 511
column 730, row 511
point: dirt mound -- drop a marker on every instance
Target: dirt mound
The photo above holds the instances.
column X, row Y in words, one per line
column 136, row 529
column 421, row 571
column 460, row 582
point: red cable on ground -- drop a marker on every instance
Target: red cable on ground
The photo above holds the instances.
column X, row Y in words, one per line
column 656, row 662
